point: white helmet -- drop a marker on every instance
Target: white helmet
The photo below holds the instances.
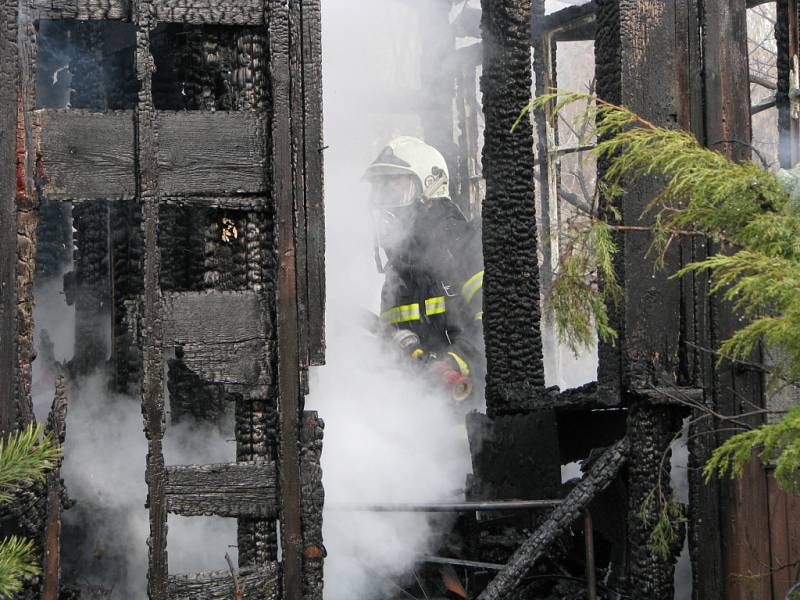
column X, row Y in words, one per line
column 411, row 156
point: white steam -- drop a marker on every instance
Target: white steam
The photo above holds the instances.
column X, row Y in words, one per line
column 388, row 438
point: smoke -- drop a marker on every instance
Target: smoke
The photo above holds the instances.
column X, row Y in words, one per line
column 388, row 437
column 105, row 531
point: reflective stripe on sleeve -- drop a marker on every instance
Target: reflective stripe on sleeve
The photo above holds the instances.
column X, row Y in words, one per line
column 479, row 316
column 401, row 314
column 472, row 287
column 435, row 306
column 463, row 367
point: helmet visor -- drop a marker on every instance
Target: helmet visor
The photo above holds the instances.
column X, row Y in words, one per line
column 394, row 191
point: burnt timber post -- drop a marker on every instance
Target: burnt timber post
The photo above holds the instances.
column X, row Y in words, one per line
column 9, row 115
column 643, row 48
column 513, row 464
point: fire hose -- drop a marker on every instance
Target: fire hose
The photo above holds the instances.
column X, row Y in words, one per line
column 440, row 372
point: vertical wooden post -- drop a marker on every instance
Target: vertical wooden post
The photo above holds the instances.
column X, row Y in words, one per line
column 515, row 368
column 152, row 331
column 287, row 309
column 9, row 78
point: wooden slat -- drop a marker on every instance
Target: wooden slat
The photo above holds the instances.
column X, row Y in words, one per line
column 288, row 334
column 210, row 153
column 87, row 156
column 225, row 490
column 218, row 12
column 782, row 576
column 9, row 76
column 245, row 203
column 90, row 156
column 256, row 584
column 195, row 12
column 223, row 334
column 314, row 187
column 153, row 410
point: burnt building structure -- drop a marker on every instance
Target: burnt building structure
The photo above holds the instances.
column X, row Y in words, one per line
column 191, row 156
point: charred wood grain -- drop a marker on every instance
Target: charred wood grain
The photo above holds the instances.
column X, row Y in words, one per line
column 51, row 559
column 564, row 22
column 312, row 502
column 207, row 153
column 511, row 285
column 651, row 431
column 153, row 410
column 314, row 186
column 9, row 76
column 296, row 123
column 600, row 475
column 212, row 12
column 259, row 583
column 223, row 336
column 53, row 241
column 87, row 156
column 195, row 12
column 190, row 396
column 226, row 490
column 289, row 393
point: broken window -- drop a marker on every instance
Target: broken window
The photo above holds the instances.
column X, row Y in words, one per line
column 567, row 171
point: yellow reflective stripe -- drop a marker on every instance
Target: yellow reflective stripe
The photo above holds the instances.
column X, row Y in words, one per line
column 401, row 314
column 435, row 306
column 462, row 364
column 472, row 287
column 479, row 316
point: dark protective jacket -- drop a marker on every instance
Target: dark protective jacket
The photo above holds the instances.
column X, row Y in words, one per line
column 434, row 287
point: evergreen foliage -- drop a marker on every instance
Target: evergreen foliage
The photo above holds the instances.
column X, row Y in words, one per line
column 741, row 207
column 24, row 458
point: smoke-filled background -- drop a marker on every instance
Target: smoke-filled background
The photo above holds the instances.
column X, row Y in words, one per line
column 388, row 437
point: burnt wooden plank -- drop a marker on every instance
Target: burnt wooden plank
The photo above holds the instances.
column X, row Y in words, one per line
column 246, row 202
column 312, row 502
column 225, row 490
column 195, row 12
column 212, row 12
column 51, row 560
column 297, row 127
column 223, row 335
column 259, row 583
column 288, row 335
column 210, row 153
column 651, row 336
column 153, row 360
column 9, row 77
column 87, row 155
column 82, row 9
column 314, row 185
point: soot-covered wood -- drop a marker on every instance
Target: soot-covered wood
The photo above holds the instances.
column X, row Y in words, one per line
column 600, row 475
column 312, row 502
column 511, row 284
column 227, row 490
column 223, row 336
column 9, row 75
column 258, row 583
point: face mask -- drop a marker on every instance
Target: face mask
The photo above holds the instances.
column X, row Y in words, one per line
column 394, row 191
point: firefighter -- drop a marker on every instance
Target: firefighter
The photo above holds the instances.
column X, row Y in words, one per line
column 432, row 297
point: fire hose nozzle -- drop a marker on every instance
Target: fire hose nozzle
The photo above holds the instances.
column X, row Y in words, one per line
column 460, row 387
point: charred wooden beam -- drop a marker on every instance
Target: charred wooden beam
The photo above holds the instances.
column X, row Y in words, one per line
column 226, row 490
column 9, row 99
column 222, row 336
column 258, row 583
column 89, row 156
column 153, row 369
column 289, row 360
column 51, row 560
column 311, row 23
column 194, row 12
column 600, row 475
column 511, row 284
column 312, row 502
